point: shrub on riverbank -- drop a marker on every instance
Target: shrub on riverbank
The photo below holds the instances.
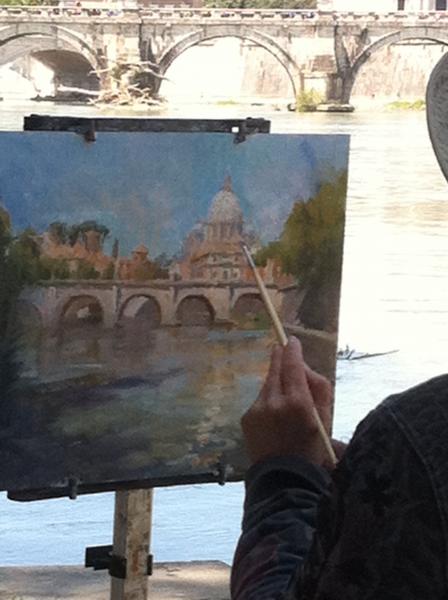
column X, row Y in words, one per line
column 308, row 100
column 406, row 105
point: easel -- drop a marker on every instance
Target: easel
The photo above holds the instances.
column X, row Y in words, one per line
column 132, row 539
column 128, row 559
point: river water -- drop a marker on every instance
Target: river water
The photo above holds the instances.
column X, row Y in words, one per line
column 394, row 297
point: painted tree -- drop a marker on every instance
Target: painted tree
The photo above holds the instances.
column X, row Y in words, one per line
column 310, row 248
column 10, row 286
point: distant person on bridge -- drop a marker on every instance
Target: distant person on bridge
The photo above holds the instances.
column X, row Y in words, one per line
column 376, row 527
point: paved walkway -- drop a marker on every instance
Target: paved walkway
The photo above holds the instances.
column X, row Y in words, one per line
column 171, row 581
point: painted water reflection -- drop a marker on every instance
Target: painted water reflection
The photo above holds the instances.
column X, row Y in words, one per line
column 124, row 396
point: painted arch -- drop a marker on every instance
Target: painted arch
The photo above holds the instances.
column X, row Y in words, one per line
column 195, row 310
column 141, row 309
column 246, row 33
column 82, row 309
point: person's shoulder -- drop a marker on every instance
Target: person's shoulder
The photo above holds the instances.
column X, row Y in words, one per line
column 417, row 410
column 410, row 428
column 424, row 401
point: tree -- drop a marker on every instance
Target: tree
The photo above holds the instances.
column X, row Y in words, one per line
column 273, row 4
column 162, row 264
column 10, row 287
column 94, row 226
column 24, row 255
column 28, row 2
column 310, row 248
column 74, row 232
column 86, row 271
column 59, row 232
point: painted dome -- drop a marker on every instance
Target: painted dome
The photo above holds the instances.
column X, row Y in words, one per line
column 225, row 206
column 141, row 249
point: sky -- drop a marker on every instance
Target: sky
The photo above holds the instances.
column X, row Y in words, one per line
column 152, row 188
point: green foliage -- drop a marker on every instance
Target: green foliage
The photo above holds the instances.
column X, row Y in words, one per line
column 310, row 249
column 307, row 101
column 309, row 245
column 277, row 4
column 74, row 232
column 24, row 256
column 86, row 271
column 70, row 234
column 59, row 232
column 228, row 102
column 10, row 286
column 109, row 271
column 20, row 2
column 53, row 268
column 406, row 105
column 161, row 266
column 116, row 249
column 29, row 266
column 94, row 226
column 28, row 2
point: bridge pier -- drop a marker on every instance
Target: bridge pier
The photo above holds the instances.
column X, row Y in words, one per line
column 320, row 83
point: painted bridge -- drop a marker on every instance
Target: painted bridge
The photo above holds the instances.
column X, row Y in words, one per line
column 112, row 302
column 318, row 50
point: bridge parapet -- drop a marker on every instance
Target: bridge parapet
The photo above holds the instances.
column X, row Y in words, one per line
column 311, row 17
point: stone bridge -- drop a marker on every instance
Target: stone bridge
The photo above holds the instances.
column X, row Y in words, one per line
column 112, row 302
column 319, row 50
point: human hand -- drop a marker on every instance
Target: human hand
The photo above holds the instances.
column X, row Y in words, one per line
column 281, row 421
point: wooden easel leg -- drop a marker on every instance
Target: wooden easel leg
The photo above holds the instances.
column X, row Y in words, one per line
column 132, row 537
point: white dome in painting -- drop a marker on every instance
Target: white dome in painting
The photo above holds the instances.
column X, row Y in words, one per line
column 225, row 207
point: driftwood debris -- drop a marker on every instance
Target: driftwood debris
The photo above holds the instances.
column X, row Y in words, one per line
column 128, row 79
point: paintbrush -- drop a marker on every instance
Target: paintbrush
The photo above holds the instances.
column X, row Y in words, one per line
column 283, row 340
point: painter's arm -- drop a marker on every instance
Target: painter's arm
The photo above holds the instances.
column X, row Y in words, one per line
column 287, row 479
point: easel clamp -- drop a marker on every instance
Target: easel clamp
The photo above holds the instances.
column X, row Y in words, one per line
column 102, row 557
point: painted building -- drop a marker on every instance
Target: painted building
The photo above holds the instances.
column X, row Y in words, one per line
column 137, row 268
column 88, row 251
column 212, row 250
column 380, row 6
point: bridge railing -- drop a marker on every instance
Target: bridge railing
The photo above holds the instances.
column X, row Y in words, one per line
column 167, row 13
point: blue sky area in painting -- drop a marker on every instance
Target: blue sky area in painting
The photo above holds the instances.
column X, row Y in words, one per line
column 153, row 188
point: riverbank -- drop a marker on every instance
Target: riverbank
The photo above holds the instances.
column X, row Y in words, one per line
column 193, row 580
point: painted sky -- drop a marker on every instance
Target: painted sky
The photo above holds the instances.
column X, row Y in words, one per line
column 152, row 188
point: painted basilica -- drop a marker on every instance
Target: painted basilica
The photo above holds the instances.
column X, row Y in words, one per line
column 212, row 251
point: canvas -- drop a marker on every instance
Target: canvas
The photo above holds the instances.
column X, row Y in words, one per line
column 133, row 336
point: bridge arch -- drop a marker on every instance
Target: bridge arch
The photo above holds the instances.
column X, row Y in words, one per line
column 237, row 31
column 195, row 310
column 43, row 36
column 433, row 34
column 141, row 308
column 249, row 310
column 247, row 302
column 82, row 309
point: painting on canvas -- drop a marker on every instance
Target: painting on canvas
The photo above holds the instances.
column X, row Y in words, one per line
column 133, row 336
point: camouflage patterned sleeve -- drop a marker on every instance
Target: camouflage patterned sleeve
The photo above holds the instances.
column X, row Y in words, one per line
column 278, row 525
